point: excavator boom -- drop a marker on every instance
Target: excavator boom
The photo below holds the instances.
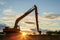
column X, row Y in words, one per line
column 25, row 14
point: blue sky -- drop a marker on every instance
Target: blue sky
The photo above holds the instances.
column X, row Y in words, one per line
column 49, row 12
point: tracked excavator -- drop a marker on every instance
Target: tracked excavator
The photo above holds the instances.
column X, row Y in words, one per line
column 16, row 28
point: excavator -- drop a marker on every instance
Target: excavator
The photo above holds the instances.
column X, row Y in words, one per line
column 16, row 28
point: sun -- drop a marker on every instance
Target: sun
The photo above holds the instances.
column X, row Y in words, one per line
column 24, row 33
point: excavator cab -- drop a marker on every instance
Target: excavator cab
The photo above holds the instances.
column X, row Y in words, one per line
column 9, row 30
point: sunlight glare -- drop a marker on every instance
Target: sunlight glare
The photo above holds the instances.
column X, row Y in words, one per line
column 24, row 33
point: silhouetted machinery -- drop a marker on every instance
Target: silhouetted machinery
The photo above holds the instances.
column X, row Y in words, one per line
column 16, row 28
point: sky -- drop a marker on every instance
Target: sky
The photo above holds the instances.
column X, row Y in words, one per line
column 48, row 10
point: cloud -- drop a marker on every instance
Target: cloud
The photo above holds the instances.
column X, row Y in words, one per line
column 47, row 13
column 2, row 3
column 53, row 16
column 48, row 24
column 9, row 10
column 50, row 16
column 10, row 18
column 27, row 24
column 7, row 19
column 30, row 22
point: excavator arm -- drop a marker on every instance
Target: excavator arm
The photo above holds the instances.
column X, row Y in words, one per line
column 25, row 14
